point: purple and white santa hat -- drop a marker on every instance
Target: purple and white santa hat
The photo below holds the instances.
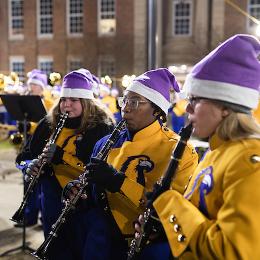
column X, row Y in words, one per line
column 37, row 77
column 230, row 73
column 155, row 85
column 78, row 84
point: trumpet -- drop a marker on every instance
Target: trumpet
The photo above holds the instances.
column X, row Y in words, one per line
column 18, row 216
column 137, row 244
column 42, row 251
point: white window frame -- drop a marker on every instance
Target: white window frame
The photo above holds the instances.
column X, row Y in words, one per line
column 109, row 59
column 252, row 28
column 100, row 33
column 73, row 59
column 176, row 2
column 45, row 59
column 39, row 16
column 70, row 34
column 17, row 59
column 12, row 36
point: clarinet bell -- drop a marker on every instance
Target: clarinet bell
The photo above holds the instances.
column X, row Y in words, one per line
column 39, row 255
column 18, row 216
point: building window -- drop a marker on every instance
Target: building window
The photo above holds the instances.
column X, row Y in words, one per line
column 45, row 11
column 17, row 65
column 106, row 66
column 75, row 17
column 106, row 17
column 182, row 17
column 253, row 10
column 16, row 18
column 74, row 64
column 46, row 64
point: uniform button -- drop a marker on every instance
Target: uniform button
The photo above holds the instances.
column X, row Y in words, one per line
column 79, row 164
column 181, row 238
column 172, row 218
column 185, row 187
column 190, row 177
column 177, row 228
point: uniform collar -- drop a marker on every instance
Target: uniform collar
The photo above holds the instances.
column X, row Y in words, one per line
column 145, row 132
column 215, row 141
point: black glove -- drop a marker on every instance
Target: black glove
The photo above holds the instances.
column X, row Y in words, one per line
column 53, row 154
column 31, row 170
column 104, row 175
column 67, row 192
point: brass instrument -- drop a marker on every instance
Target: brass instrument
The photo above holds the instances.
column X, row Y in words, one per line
column 137, row 244
column 41, row 252
column 2, row 82
column 18, row 217
column 5, row 129
column 16, row 138
column 55, row 78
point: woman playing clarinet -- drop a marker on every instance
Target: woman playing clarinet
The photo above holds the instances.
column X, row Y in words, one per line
column 218, row 216
column 86, row 123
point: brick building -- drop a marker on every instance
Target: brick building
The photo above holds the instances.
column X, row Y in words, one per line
column 110, row 36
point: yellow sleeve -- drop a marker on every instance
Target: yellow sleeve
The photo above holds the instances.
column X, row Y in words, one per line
column 232, row 235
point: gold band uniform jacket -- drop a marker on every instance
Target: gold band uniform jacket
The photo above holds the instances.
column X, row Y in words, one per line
column 218, row 216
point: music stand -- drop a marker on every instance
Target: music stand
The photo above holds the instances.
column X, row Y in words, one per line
column 25, row 109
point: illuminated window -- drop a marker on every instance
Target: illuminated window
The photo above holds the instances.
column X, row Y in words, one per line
column 45, row 22
column 107, row 17
column 16, row 18
column 75, row 17
column 182, row 17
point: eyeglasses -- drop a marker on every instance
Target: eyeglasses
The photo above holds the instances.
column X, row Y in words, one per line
column 193, row 101
column 132, row 103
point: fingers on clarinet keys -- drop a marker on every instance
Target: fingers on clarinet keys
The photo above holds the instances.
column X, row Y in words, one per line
column 71, row 190
column 32, row 168
column 137, row 226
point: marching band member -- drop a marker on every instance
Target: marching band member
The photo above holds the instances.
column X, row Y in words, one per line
column 36, row 85
column 86, row 123
column 133, row 166
column 218, row 216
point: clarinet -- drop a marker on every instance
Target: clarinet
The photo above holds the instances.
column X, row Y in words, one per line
column 42, row 251
column 18, row 216
column 137, row 244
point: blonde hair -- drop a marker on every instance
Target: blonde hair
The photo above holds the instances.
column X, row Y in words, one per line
column 237, row 126
column 93, row 113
